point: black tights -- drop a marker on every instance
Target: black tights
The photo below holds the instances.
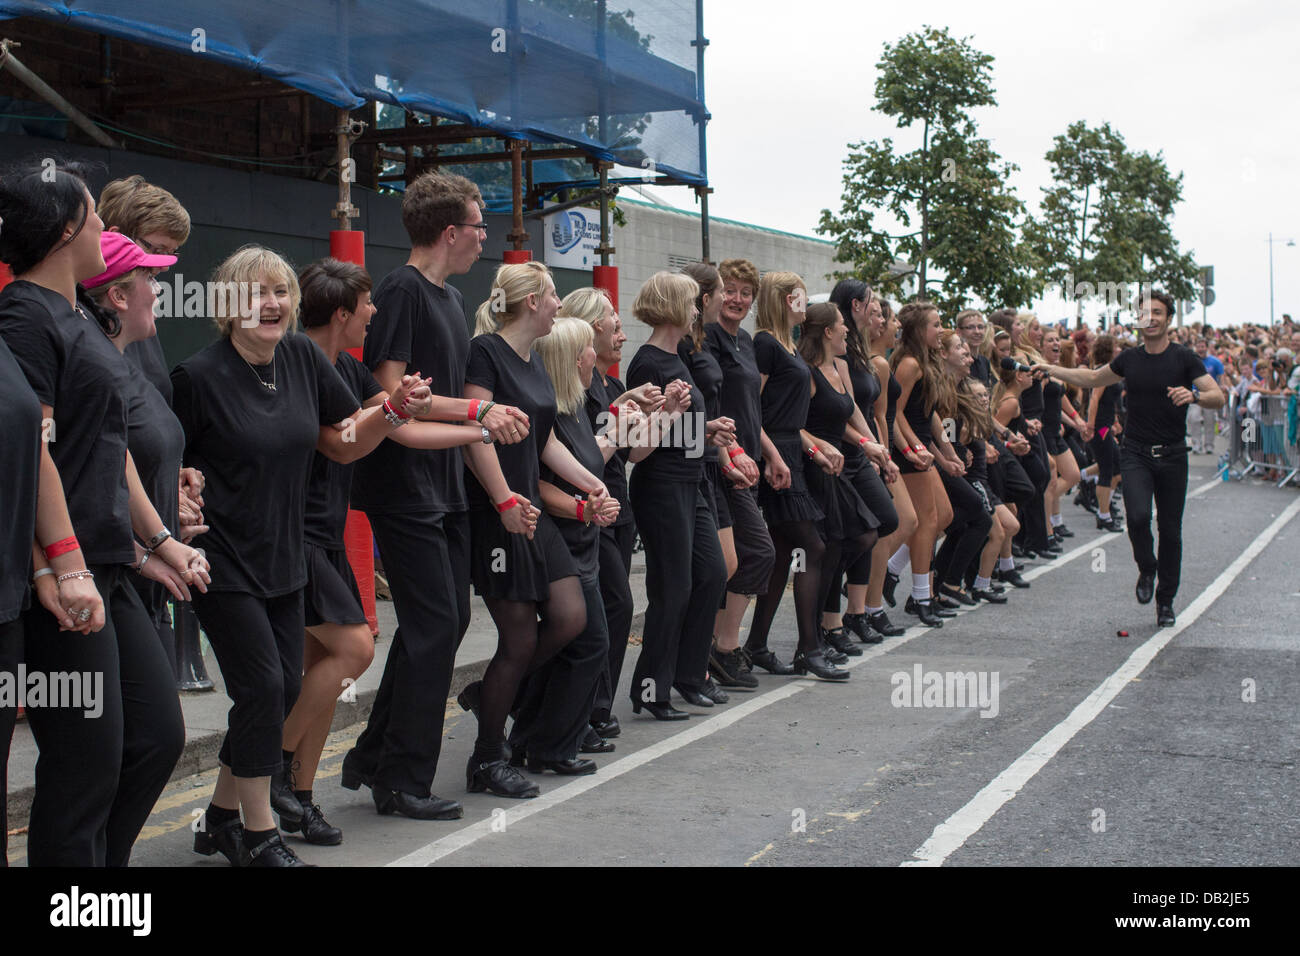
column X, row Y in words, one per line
column 523, row 645
column 786, row 537
column 840, row 555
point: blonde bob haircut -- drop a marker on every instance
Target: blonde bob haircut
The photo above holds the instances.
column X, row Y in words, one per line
column 513, row 283
column 588, row 303
column 667, row 298
column 773, row 289
column 233, row 281
column 560, row 351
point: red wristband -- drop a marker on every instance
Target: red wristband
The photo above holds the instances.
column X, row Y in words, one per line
column 735, row 453
column 812, row 452
column 613, row 409
column 581, row 504
column 862, row 440
column 61, row 547
column 389, row 407
column 473, row 409
column 506, row 505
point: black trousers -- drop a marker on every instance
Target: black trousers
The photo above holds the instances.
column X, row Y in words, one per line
column 685, row 577
column 1033, row 518
column 259, row 646
column 871, row 489
column 755, row 554
column 11, row 653
column 966, row 535
column 616, row 596
column 154, row 597
column 554, row 704
column 426, row 557
column 1008, row 480
column 1165, row 480
column 98, row 777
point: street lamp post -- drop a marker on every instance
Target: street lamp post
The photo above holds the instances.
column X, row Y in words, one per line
column 1271, row 240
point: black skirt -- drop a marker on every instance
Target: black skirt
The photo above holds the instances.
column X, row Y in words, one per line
column 1056, row 444
column 846, row 515
column 905, row 467
column 795, row 503
column 510, row 567
column 331, row 596
column 715, row 494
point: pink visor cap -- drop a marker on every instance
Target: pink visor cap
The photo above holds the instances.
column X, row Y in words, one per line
column 121, row 255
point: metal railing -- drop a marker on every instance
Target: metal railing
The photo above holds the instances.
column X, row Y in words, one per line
column 1261, row 439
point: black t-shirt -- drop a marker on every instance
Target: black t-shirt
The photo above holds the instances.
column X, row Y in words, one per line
column 866, row 389
column 575, row 433
column 157, row 444
column 1106, row 405
column 828, row 411
column 147, row 356
column 982, row 369
column 330, row 481
column 1153, row 418
column 1052, row 393
column 20, row 437
column 707, row 374
column 741, row 384
column 787, row 392
column 424, row 326
column 72, row 366
column 255, row 449
column 1031, row 400
column 600, row 396
column 497, row 367
column 672, row 460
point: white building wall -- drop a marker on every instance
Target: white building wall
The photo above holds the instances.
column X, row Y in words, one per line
column 660, row 237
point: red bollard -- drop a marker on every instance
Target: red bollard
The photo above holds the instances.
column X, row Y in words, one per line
column 350, row 246
column 513, row 256
column 606, row 277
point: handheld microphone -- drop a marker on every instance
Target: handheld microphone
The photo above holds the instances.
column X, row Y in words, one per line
column 1011, row 365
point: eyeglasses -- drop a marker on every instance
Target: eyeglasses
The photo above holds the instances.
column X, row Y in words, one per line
column 972, row 328
column 153, row 250
column 481, row 226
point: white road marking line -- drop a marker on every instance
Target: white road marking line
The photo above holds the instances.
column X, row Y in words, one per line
column 1202, row 489
column 438, row 849
column 950, row 835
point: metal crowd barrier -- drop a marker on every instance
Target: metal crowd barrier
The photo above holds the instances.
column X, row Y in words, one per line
column 1260, row 442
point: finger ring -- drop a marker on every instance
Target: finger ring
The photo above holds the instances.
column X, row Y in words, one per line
column 84, row 615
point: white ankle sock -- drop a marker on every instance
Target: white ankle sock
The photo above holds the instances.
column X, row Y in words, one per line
column 921, row 587
column 875, row 610
column 1006, row 564
column 1056, row 521
column 900, row 560
column 983, row 584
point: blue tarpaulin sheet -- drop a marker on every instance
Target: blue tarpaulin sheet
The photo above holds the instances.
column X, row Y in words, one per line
column 622, row 86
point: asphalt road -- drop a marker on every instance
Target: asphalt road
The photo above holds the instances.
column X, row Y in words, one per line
column 1186, row 758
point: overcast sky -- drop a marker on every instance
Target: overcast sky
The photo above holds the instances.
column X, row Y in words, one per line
column 1212, row 85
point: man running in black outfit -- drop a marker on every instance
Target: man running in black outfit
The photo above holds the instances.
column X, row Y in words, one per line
column 1162, row 379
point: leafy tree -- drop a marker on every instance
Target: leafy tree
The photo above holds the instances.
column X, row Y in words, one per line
column 954, row 186
column 1103, row 227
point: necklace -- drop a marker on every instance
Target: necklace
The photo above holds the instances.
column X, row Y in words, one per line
column 269, row 386
column 735, row 339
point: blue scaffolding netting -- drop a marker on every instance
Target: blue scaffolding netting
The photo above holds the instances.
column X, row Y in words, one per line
column 619, row 83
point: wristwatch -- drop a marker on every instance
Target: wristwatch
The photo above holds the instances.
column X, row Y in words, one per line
column 487, row 436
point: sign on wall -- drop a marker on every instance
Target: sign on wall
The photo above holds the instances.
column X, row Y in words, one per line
column 571, row 239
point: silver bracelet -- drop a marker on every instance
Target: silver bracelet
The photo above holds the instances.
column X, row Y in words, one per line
column 153, row 543
column 74, row 574
column 41, row 573
column 139, row 568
